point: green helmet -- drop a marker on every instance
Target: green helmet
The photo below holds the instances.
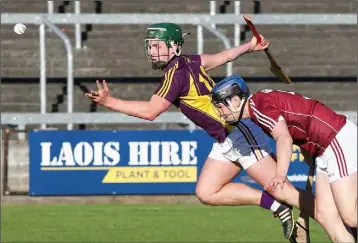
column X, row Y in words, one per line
column 169, row 33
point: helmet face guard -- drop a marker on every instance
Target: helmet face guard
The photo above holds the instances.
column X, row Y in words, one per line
column 224, row 95
column 171, row 35
column 156, row 63
column 226, row 101
column 226, row 89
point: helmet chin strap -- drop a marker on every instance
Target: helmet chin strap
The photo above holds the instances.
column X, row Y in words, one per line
column 177, row 51
column 240, row 110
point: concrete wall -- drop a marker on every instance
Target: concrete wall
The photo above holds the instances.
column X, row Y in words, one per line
column 18, row 162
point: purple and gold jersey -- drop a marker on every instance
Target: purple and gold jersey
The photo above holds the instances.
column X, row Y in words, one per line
column 187, row 86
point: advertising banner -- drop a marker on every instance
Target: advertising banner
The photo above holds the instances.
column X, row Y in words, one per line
column 126, row 162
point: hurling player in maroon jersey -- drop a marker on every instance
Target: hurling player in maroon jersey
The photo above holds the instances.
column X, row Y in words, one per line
column 291, row 118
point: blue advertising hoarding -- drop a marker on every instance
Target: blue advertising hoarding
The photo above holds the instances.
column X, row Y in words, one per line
column 126, row 162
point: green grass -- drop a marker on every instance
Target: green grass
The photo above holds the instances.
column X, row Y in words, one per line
column 142, row 223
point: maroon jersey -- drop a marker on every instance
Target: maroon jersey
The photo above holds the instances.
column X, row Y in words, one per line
column 311, row 124
column 187, row 86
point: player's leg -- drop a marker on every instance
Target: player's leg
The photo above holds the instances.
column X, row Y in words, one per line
column 214, row 186
column 264, row 170
column 342, row 172
column 326, row 210
column 261, row 166
column 244, row 145
column 345, row 195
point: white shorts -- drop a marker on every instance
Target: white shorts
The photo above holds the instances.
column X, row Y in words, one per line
column 246, row 144
column 340, row 157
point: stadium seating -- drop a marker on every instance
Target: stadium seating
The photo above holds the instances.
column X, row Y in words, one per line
column 118, row 50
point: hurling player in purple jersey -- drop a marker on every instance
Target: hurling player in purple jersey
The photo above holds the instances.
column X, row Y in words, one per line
column 187, row 85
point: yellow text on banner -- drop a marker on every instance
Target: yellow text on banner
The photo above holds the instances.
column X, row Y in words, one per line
column 151, row 174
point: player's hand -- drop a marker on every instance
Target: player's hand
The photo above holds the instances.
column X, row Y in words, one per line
column 277, row 180
column 254, row 46
column 101, row 95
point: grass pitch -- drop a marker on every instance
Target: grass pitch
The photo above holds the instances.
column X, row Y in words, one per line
column 142, row 223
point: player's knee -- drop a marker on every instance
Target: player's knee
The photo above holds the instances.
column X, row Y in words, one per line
column 279, row 195
column 324, row 215
column 319, row 216
column 205, row 196
column 348, row 213
column 286, row 195
column 350, row 219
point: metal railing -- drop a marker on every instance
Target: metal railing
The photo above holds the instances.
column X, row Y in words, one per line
column 68, row 46
column 190, row 19
column 237, row 11
column 226, row 42
column 213, row 11
column 202, row 20
column 22, row 119
column 78, row 37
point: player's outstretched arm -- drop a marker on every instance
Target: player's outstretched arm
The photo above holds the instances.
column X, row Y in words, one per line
column 147, row 110
column 284, row 144
column 212, row 61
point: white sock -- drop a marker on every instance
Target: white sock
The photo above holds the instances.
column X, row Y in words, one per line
column 275, row 205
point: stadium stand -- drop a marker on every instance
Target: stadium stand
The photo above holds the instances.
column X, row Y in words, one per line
column 118, row 51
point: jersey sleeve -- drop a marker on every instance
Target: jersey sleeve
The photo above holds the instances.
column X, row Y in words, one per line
column 195, row 58
column 267, row 110
column 171, row 86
